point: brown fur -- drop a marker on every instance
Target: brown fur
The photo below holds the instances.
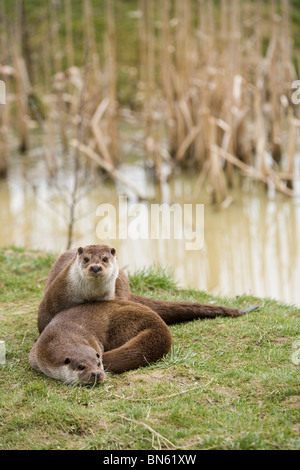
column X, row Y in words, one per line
column 58, row 295
column 71, row 347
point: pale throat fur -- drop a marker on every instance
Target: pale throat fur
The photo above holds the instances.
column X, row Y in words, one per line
column 84, row 288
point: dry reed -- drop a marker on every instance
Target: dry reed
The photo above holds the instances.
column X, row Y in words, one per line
column 214, row 88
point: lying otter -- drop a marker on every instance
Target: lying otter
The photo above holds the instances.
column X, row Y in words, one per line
column 83, row 342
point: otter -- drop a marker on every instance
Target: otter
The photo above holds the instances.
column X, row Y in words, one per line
column 84, row 342
column 91, row 273
column 78, row 276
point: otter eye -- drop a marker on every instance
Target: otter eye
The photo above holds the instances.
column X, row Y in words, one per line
column 80, row 367
column 67, row 361
column 98, row 355
column 105, row 259
column 86, row 260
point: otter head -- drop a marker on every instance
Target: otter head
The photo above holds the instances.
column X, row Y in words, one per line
column 67, row 359
column 83, row 365
column 98, row 261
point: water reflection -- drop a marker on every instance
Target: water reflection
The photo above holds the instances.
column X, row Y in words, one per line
column 251, row 247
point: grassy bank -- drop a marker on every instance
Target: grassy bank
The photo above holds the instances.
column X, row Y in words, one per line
column 226, row 384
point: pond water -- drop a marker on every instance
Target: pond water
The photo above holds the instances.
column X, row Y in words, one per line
column 250, row 247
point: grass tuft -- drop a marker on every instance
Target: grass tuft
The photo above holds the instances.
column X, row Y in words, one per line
column 152, row 279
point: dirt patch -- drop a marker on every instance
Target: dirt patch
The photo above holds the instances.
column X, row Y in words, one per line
column 293, row 401
column 24, row 254
column 17, row 308
column 281, row 340
column 157, row 385
column 164, row 376
column 228, row 392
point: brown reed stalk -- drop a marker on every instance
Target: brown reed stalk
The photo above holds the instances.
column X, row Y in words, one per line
column 217, row 179
column 47, row 63
column 147, row 73
column 3, row 107
column 291, row 146
column 112, row 79
column 147, row 63
column 167, row 74
column 275, row 78
column 184, row 121
column 69, row 33
column 4, row 116
column 97, row 130
column 3, row 140
column 56, row 51
column 4, row 42
column 90, row 44
column 23, row 89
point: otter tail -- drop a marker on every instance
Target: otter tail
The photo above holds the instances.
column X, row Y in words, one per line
column 180, row 311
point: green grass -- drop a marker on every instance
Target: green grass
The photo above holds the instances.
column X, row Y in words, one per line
column 226, row 383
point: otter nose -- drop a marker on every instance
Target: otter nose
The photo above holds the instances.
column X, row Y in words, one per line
column 95, row 269
column 97, row 376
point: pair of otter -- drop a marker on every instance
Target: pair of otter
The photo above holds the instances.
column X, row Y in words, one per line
column 89, row 321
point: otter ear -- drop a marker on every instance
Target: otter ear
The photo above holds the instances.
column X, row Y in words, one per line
column 113, row 251
column 80, row 250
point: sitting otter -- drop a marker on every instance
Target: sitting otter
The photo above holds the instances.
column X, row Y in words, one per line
column 83, row 342
column 78, row 276
column 92, row 274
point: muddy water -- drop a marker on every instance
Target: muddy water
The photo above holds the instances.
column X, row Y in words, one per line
column 251, row 247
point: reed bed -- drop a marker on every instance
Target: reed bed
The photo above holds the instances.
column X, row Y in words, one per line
column 208, row 84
